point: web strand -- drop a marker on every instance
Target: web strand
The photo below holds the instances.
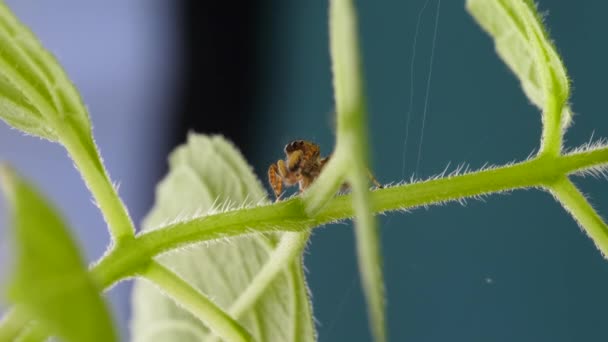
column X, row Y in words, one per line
column 428, row 86
column 412, row 74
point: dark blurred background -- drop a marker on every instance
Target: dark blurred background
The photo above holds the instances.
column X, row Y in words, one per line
column 512, row 268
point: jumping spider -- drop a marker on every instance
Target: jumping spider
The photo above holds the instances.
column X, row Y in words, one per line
column 302, row 165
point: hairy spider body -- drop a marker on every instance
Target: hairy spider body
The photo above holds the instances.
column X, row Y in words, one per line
column 302, row 165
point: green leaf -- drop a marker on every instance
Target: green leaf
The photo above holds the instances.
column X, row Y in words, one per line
column 35, row 94
column 51, row 282
column 209, row 175
column 524, row 45
column 37, row 98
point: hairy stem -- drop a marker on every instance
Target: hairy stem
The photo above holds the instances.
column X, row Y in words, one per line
column 124, row 260
column 352, row 146
column 196, row 302
column 368, row 254
column 328, row 183
column 290, row 215
column 91, row 168
column 578, row 206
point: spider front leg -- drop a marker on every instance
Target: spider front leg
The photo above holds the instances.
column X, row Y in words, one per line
column 279, row 174
column 275, row 179
column 374, row 180
column 293, row 160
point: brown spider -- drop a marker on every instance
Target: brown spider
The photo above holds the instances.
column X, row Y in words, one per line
column 302, row 165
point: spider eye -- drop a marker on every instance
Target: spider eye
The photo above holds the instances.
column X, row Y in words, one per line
column 293, row 146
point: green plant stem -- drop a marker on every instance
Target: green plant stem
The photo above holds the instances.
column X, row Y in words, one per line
column 551, row 141
column 553, row 111
column 124, row 260
column 87, row 160
column 352, row 146
column 196, row 302
column 551, row 72
column 290, row 215
column 584, row 214
column 368, row 253
column 328, row 183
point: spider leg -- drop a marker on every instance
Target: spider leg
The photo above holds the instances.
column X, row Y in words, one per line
column 282, row 169
column 276, row 180
column 374, row 180
column 293, row 160
column 305, row 182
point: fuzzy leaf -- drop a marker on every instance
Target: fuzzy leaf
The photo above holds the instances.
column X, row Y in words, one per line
column 35, row 94
column 209, row 174
column 510, row 23
column 51, row 281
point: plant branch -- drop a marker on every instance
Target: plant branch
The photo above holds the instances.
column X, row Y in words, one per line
column 195, row 302
column 87, row 160
column 290, row 215
column 352, row 146
column 327, row 184
column 581, row 210
column 368, row 253
column 551, row 140
column 123, row 261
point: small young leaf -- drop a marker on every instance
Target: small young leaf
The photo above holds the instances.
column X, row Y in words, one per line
column 511, row 23
column 35, row 94
column 209, row 175
column 51, row 281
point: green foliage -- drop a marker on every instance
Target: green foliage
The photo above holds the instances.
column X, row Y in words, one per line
column 246, row 283
column 35, row 94
column 37, row 98
column 523, row 44
column 209, row 175
column 51, row 281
